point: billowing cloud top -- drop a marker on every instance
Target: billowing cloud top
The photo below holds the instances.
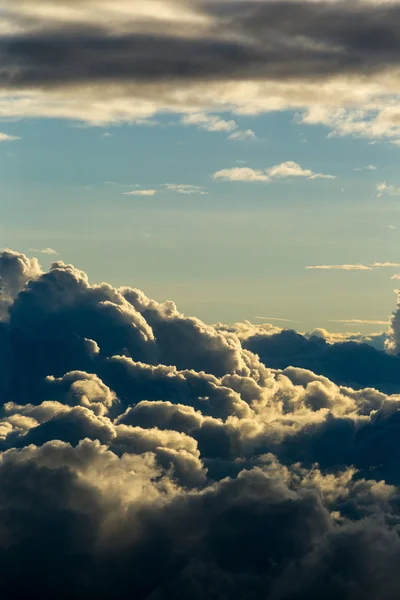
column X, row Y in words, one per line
column 145, row 453
column 89, row 59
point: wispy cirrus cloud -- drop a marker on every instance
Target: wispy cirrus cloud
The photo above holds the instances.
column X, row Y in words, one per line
column 356, row 267
column 285, row 170
column 48, row 251
column 360, row 322
column 275, row 319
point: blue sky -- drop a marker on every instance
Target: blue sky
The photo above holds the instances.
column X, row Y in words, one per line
column 240, row 249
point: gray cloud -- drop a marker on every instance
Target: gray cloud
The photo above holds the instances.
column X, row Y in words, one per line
column 142, row 451
column 244, row 40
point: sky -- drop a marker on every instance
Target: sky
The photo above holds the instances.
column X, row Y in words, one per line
column 181, row 148
column 199, row 299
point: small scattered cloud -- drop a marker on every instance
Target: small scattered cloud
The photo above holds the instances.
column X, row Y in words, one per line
column 4, row 137
column 368, row 168
column 209, row 122
column 242, row 135
column 186, row 189
column 241, row 174
column 340, row 267
column 48, row 251
column 395, row 277
column 391, row 227
column 285, row 170
column 217, row 124
column 106, row 134
column 383, row 189
column 141, row 193
column 275, row 319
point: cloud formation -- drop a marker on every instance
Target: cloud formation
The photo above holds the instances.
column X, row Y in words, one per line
column 4, row 137
column 285, row 170
column 141, row 193
column 340, row 267
column 384, row 189
column 48, row 251
column 142, row 450
column 186, row 189
column 334, row 62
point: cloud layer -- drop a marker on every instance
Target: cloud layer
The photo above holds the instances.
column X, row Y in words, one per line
column 144, row 452
column 100, row 61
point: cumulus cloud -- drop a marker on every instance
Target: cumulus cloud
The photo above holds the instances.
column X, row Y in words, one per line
column 144, row 450
column 285, row 170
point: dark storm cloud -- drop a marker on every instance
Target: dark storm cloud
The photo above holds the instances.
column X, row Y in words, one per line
column 146, row 454
column 244, row 40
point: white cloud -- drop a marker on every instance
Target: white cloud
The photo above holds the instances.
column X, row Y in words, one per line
column 385, row 189
column 186, row 189
column 285, row 170
column 275, row 319
column 241, row 174
column 292, row 169
column 141, row 193
column 395, row 277
column 8, row 138
column 386, row 264
column 49, row 251
column 242, row 135
column 368, row 168
column 340, row 267
column 209, row 122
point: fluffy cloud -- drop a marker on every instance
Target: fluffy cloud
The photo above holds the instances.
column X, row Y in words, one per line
column 144, row 450
column 285, row 170
column 334, row 62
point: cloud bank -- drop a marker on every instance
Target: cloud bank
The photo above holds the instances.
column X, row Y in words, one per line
column 334, row 62
column 144, row 452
